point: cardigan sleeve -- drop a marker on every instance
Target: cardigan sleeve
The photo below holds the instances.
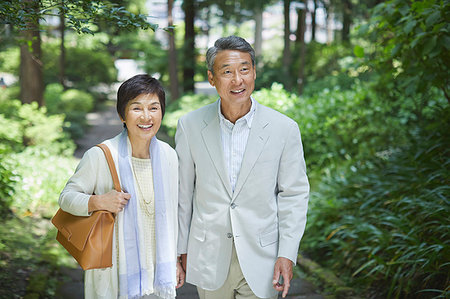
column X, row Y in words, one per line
column 75, row 196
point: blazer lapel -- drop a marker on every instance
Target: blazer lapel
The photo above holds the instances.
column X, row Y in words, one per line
column 211, row 138
column 255, row 144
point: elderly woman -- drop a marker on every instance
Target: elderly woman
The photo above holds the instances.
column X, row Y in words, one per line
column 145, row 264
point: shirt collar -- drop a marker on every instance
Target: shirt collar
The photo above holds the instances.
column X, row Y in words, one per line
column 248, row 118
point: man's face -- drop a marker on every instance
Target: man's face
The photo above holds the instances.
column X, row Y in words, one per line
column 234, row 76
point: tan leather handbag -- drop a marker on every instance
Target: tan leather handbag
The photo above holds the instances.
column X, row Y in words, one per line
column 89, row 238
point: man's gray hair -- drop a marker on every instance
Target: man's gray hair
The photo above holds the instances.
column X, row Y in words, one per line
column 228, row 43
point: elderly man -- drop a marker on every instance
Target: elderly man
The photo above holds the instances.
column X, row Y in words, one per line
column 243, row 193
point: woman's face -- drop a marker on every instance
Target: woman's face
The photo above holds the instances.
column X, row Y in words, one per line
column 143, row 117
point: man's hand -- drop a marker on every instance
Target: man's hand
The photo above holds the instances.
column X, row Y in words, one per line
column 181, row 275
column 283, row 267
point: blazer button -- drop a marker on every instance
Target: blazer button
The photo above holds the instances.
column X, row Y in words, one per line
column 233, row 205
column 230, row 235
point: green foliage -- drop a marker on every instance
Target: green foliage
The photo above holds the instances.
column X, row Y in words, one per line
column 326, row 66
column 28, row 140
column 73, row 104
column 76, row 100
column 28, row 249
column 183, row 105
column 42, row 175
column 385, row 221
column 84, row 67
column 6, row 183
column 80, row 14
column 326, row 118
column 412, row 39
column 29, row 125
column 10, row 60
column 52, row 95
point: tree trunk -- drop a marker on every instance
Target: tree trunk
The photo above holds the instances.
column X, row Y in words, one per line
column 173, row 71
column 329, row 19
column 301, row 46
column 287, row 45
column 189, row 46
column 31, row 75
column 313, row 21
column 62, row 55
column 347, row 20
column 258, row 32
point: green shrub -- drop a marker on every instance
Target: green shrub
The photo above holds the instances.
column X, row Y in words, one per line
column 10, row 60
column 29, row 125
column 10, row 92
column 76, row 100
column 6, row 183
column 183, row 105
column 52, row 95
column 41, row 176
column 29, row 138
column 384, row 222
column 73, row 103
column 84, row 68
column 338, row 125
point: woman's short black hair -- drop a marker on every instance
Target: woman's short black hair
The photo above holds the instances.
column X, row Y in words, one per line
column 134, row 87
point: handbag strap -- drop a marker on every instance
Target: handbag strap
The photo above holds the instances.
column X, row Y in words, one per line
column 112, row 166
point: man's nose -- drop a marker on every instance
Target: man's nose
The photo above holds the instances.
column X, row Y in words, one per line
column 237, row 78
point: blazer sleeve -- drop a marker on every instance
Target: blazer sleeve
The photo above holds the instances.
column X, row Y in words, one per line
column 293, row 195
column 75, row 196
column 186, row 176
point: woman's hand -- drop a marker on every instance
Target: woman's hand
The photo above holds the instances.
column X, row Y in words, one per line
column 112, row 201
column 181, row 275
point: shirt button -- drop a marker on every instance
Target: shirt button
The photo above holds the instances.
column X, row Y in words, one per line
column 229, row 235
column 233, row 205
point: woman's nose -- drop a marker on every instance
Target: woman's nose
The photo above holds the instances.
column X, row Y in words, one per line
column 146, row 114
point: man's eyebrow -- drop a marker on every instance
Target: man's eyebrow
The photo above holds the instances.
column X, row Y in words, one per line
column 227, row 64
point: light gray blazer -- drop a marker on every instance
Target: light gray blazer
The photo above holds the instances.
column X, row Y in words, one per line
column 266, row 214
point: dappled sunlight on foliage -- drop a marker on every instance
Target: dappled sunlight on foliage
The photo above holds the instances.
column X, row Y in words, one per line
column 387, row 219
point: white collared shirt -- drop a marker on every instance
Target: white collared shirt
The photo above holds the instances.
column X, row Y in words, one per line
column 234, row 140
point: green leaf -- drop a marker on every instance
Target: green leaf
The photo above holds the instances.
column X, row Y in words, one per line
column 429, row 45
column 433, row 18
column 410, row 26
column 358, row 51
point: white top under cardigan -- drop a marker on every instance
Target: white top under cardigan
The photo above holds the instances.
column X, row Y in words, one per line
column 92, row 176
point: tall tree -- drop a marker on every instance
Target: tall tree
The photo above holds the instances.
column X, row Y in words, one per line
column 346, row 19
column 62, row 54
column 31, row 74
column 329, row 20
column 301, row 45
column 173, row 69
column 313, row 20
column 287, row 43
column 189, row 46
column 258, row 13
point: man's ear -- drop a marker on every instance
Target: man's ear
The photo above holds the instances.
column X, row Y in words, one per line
column 210, row 78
